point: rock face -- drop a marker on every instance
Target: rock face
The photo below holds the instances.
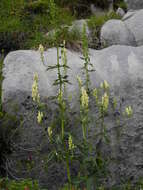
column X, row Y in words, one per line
column 121, row 66
column 134, row 4
column 129, row 14
column 125, row 32
column 115, row 32
column 120, row 12
column 78, row 25
column 135, row 25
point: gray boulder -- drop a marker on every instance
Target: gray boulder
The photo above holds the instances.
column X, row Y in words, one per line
column 115, row 32
column 134, row 4
column 121, row 66
column 120, row 12
column 78, row 25
column 135, row 25
column 129, row 14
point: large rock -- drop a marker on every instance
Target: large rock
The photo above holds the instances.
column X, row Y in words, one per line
column 134, row 4
column 121, row 66
column 79, row 24
column 129, row 14
column 135, row 25
column 120, row 12
column 115, row 32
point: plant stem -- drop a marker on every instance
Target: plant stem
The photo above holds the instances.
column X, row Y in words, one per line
column 61, row 103
column 84, row 130
column 1, row 78
column 62, row 125
column 68, row 171
column 59, row 73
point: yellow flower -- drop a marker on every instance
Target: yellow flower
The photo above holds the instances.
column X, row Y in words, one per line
column 35, row 93
column 70, row 143
column 95, row 93
column 40, row 117
column 79, row 81
column 84, row 98
column 50, row 131
column 105, row 101
column 41, row 49
column 104, row 85
column 129, row 111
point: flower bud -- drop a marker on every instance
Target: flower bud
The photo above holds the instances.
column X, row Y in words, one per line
column 39, row 117
column 50, row 131
column 35, row 93
column 105, row 101
column 70, row 143
column 104, row 85
column 129, row 111
column 84, row 98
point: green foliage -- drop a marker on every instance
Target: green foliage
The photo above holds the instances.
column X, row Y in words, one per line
column 96, row 22
column 23, row 24
column 8, row 132
column 40, row 6
column 120, row 3
column 77, row 4
column 18, row 185
column 66, row 146
column 8, row 127
column 56, row 37
column 1, row 78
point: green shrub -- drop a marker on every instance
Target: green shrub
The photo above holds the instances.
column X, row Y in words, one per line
column 1, row 78
column 12, row 33
column 120, row 3
column 8, row 133
column 22, row 24
column 57, row 37
column 18, row 185
column 96, row 22
column 40, row 6
column 76, row 3
column 8, row 128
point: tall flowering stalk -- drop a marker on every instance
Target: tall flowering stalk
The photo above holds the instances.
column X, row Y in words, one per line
column 84, row 108
column 62, row 107
column 105, row 97
column 35, row 92
column 103, row 106
column 64, row 61
column 61, row 82
column 41, row 50
column 84, row 102
column 86, row 58
column 36, row 97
